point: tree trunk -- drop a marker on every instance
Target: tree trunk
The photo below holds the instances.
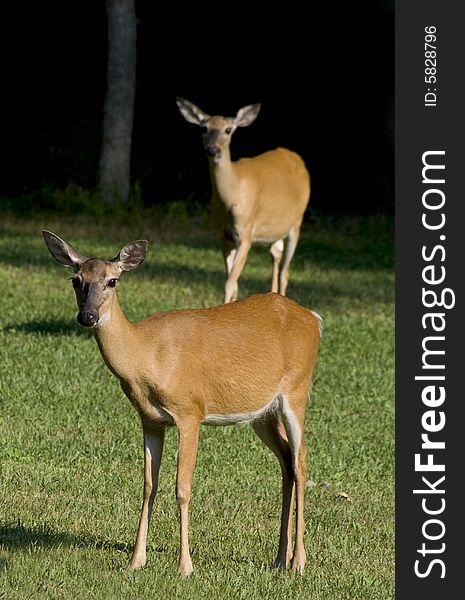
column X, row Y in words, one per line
column 118, row 112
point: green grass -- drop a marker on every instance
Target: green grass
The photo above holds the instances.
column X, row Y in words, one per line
column 71, row 461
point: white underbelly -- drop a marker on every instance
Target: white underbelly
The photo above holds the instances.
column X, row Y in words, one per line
column 243, row 417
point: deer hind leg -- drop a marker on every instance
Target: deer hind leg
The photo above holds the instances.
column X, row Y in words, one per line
column 291, row 244
column 276, row 252
column 153, row 449
column 293, row 421
column 187, row 454
column 272, row 434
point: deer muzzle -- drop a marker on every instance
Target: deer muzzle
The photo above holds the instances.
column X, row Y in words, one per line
column 90, row 301
column 213, row 150
column 87, row 318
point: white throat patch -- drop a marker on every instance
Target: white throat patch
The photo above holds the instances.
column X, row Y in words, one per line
column 104, row 319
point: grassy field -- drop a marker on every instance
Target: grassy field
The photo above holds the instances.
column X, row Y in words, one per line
column 71, row 460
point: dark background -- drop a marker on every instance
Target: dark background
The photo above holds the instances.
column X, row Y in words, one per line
column 323, row 72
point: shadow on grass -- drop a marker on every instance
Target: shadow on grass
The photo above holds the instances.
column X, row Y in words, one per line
column 345, row 243
column 19, row 537
column 44, row 327
column 324, row 293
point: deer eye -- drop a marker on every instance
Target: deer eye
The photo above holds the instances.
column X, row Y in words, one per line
column 228, row 130
column 112, row 282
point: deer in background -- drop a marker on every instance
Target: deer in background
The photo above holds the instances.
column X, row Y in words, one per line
column 259, row 199
column 247, row 361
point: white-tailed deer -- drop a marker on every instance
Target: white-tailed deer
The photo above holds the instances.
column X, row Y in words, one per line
column 247, row 361
column 258, row 199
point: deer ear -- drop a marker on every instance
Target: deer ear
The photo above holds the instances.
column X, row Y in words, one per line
column 63, row 252
column 247, row 115
column 132, row 255
column 192, row 114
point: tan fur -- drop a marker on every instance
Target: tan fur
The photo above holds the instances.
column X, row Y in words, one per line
column 258, row 199
column 185, row 366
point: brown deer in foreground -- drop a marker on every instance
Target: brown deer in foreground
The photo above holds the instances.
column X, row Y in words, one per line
column 247, row 361
column 259, row 199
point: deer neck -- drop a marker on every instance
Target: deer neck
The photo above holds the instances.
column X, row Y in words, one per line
column 223, row 178
column 116, row 339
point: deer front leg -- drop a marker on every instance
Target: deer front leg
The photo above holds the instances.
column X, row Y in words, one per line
column 187, row 454
column 153, row 449
column 231, row 287
column 229, row 253
column 291, row 245
column 276, row 252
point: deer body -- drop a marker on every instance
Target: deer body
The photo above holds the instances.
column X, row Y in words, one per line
column 178, row 358
column 258, row 199
column 249, row 361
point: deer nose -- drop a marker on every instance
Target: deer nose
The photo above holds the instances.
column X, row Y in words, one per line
column 212, row 150
column 87, row 318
